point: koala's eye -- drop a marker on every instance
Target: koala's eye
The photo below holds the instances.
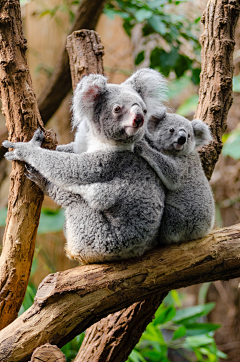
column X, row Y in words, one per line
column 144, row 111
column 171, row 130
column 188, row 135
column 117, row 109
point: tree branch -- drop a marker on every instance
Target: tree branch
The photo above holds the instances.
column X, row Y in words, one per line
column 70, row 301
column 59, row 84
column 25, row 199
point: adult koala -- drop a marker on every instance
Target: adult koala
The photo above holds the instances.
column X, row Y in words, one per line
column 113, row 198
column 172, row 152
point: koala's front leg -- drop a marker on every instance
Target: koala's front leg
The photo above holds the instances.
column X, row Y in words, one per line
column 61, row 197
column 165, row 166
column 23, row 150
column 65, row 148
column 66, row 170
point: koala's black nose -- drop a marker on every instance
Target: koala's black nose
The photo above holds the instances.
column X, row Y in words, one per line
column 138, row 120
column 182, row 140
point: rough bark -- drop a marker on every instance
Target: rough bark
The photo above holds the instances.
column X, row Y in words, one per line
column 215, row 93
column 59, row 84
column 68, row 302
column 22, row 118
column 48, row 353
column 108, row 340
column 85, row 53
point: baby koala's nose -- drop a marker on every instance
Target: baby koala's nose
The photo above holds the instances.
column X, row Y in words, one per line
column 182, row 139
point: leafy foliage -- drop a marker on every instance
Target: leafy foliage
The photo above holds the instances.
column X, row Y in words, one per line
column 180, row 330
column 51, row 221
column 161, row 17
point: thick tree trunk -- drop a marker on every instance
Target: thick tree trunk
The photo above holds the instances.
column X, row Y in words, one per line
column 68, row 302
column 59, row 84
column 22, row 118
column 215, row 93
column 219, row 18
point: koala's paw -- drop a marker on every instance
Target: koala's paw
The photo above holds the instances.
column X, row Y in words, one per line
column 35, row 176
column 17, row 154
column 38, row 138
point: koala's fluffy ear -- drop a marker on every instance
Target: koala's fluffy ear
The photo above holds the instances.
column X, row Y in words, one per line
column 201, row 132
column 87, row 92
column 151, row 86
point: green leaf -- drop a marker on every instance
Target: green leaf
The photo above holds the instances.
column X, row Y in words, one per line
column 220, row 354
column 143, row 14
column 140, row 57
column 184, row 315
column 155, row 4
column 3, row 215
column 189, row 106
column 236, row 83
column 175, row 297
column 164, row 315
column 153, row 355
column 51, row 221
column 194, row 329
column 135, row 356
column 231, row 146
column 198, row 341
column 152, row 333
column 179, row 333
column 157, row 24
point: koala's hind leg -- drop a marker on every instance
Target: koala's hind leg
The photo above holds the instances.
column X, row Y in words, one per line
column 61, row 197
column 174, row 227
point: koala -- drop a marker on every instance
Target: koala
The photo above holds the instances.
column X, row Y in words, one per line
column 171, row 150
column 113, row 199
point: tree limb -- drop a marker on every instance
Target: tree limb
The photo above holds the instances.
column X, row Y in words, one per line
column 59, row 84
column 25, row 199
column 68, row 302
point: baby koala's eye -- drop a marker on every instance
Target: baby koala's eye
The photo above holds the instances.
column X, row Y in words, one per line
column 171, row 130
column 188, row 135
column 117, row 109
column 144, row 111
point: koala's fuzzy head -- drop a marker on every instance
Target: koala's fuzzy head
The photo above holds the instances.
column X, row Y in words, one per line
column 117, row 113
column 178, row 135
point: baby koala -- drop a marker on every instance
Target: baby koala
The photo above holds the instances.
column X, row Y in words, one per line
column 113, row 198
column 172, row 152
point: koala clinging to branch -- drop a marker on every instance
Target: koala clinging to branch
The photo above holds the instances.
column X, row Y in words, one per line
column 113, row 198
column 171, row 151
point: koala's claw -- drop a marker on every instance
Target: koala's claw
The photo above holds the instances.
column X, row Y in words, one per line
column 8, row 144
column 38, row 137
column 12, row 156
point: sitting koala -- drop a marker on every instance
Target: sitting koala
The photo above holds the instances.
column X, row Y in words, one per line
column 113, row 198
column 171, row 151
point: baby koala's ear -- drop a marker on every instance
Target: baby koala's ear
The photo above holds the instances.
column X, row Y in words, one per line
column 87, row 92
column 151, row 86
column 202, row 133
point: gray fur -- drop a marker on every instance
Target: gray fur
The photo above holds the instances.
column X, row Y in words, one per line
column 113, row 198
column 189, row 204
